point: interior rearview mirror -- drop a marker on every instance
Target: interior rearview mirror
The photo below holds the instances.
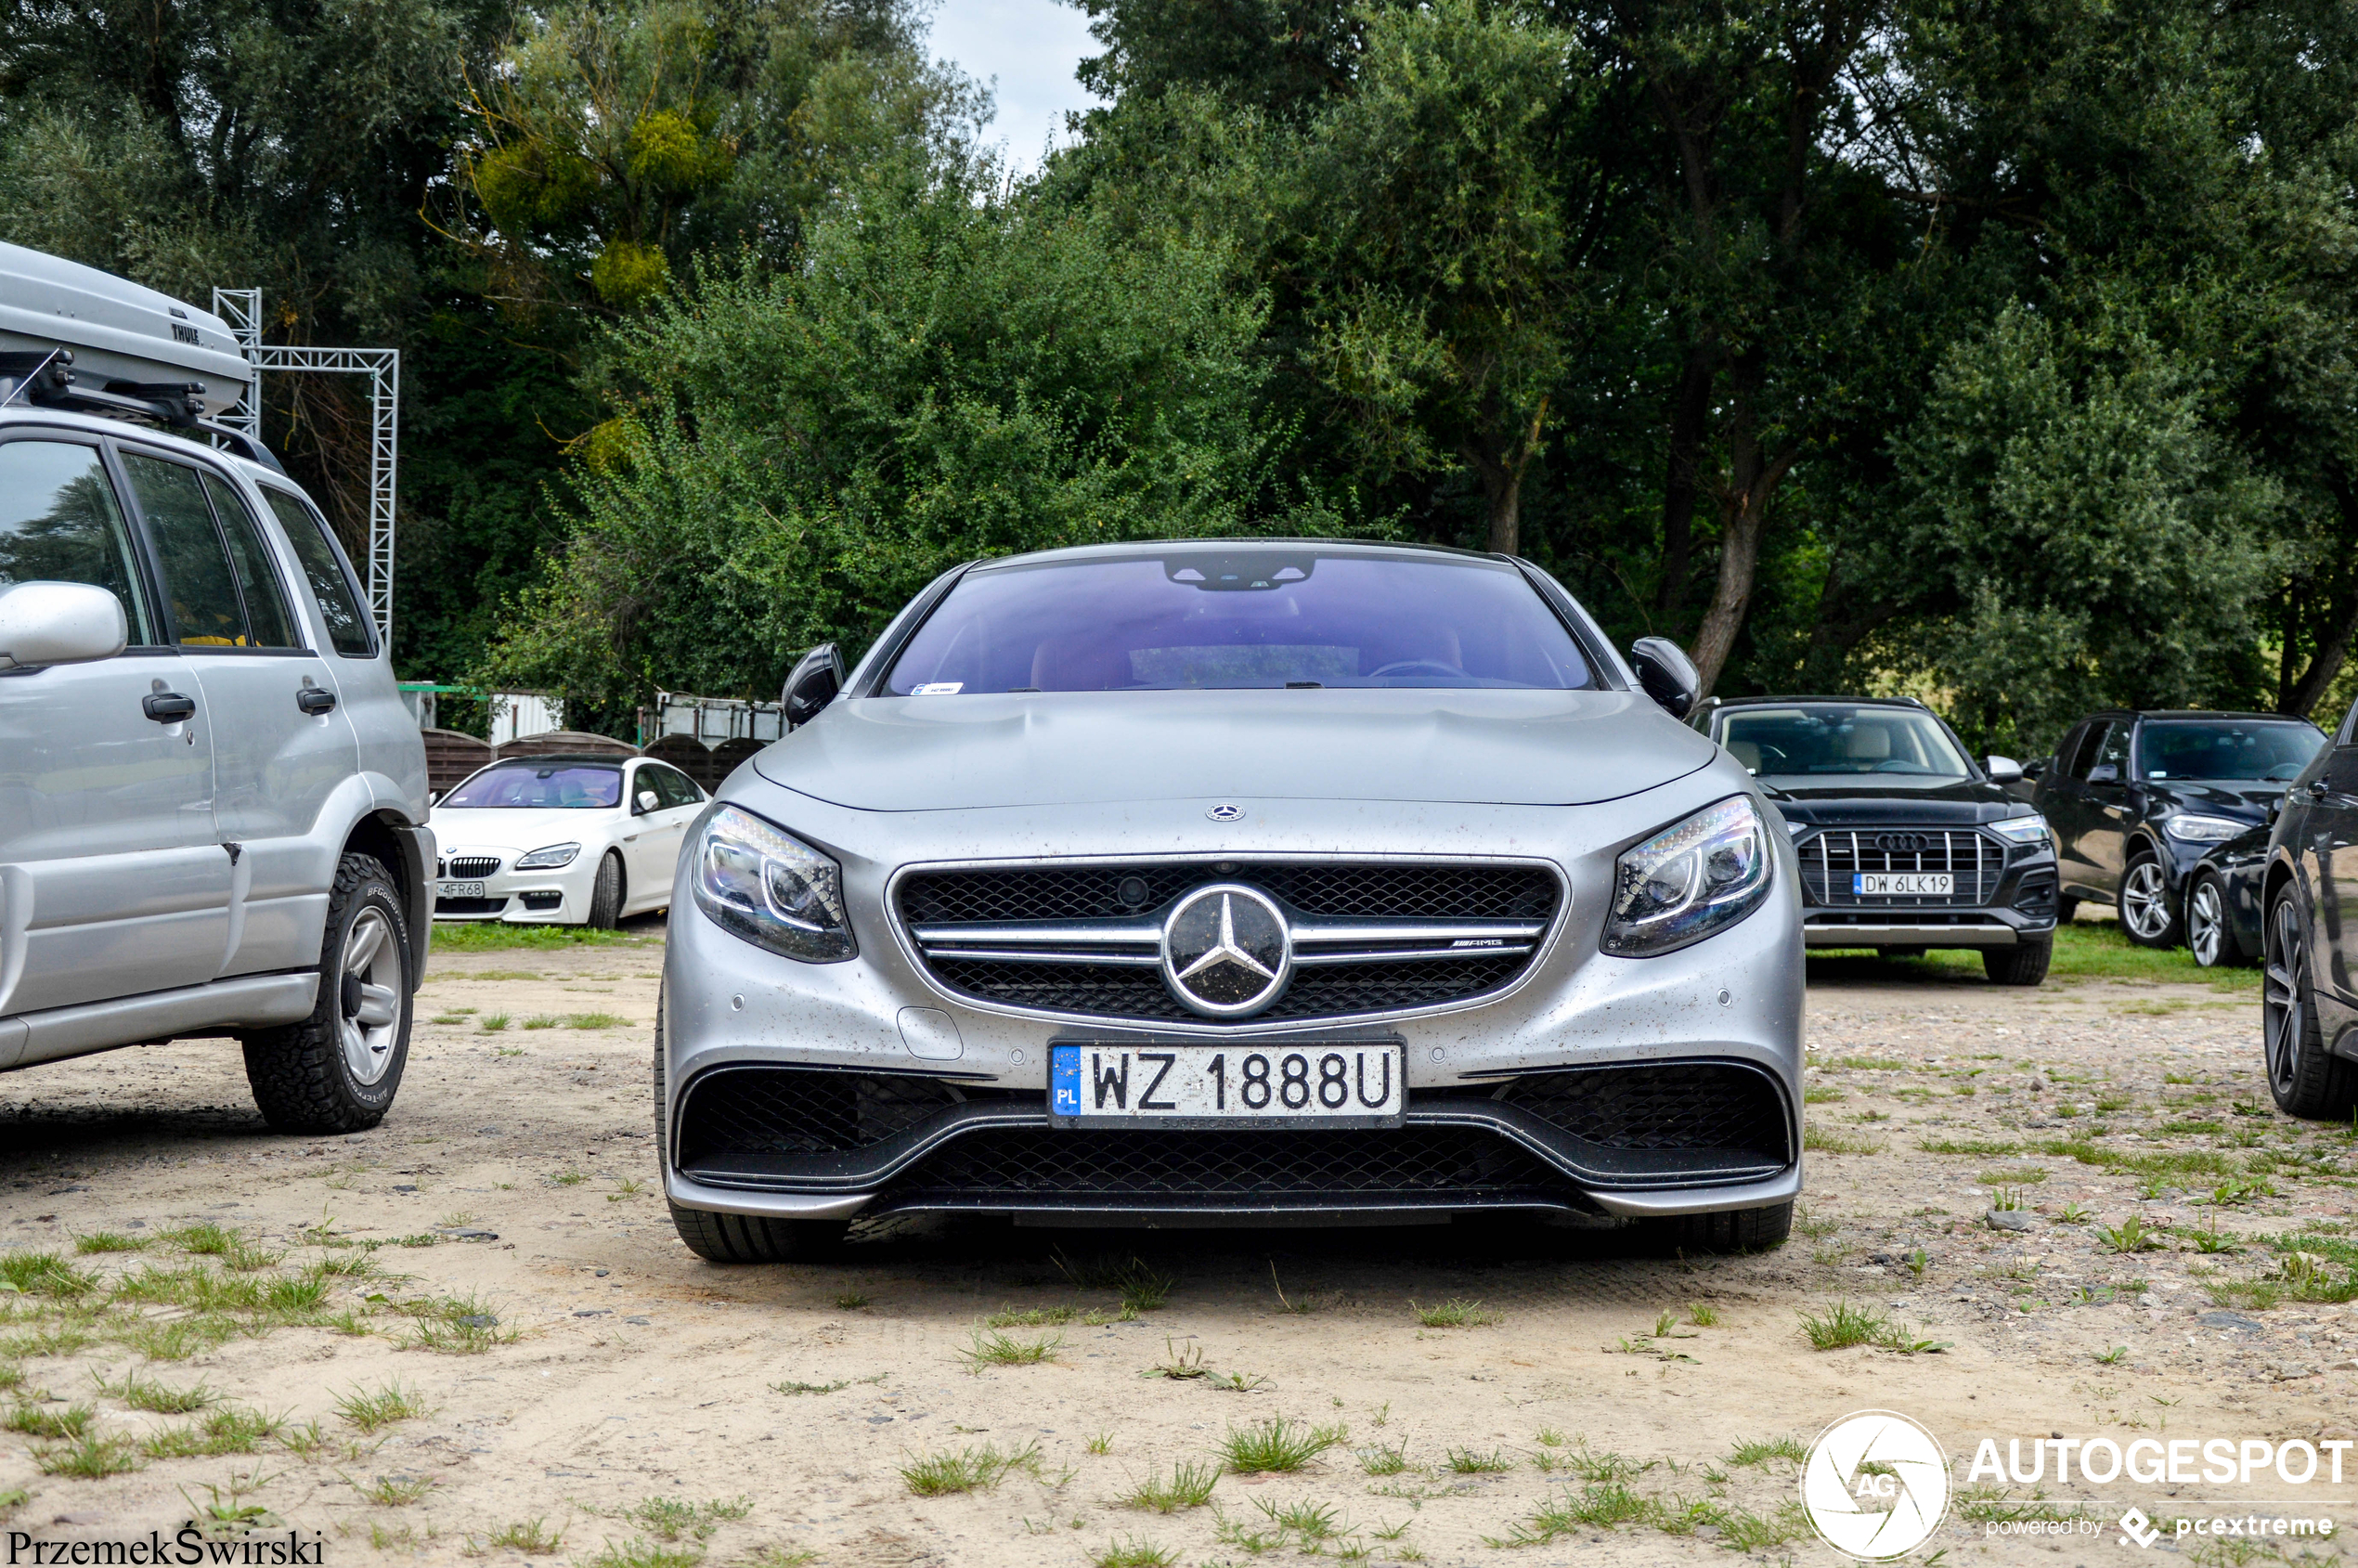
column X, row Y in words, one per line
column 817, row 677
column 46, row 623
column 2002, row 769
column 649, row 801
column 1665, row 672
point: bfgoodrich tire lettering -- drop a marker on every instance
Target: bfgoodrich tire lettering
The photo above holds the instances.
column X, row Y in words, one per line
column 338, row 1070
column 736, row 1238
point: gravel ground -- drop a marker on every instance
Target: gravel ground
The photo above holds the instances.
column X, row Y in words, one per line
column 2176, row 1264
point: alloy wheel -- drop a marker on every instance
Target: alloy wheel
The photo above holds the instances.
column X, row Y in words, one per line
column 2145, row 900
column 2206, row 923
column 371, row 1000
column 2284, row 1005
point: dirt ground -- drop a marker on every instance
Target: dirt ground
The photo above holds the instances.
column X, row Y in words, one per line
column 498, row 1255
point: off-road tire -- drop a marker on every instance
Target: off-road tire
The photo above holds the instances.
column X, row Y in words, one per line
column 298, row 1073
column 736, row 1238
column 2023, row 963
column 2311, row 1083
column 605, row 894
column 1735, row 1230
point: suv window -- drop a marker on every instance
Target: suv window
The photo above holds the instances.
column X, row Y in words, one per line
column 2115, row 750
column 2092, row 736
column 198, row 583
column 331, row 585
column 266, row 614
column 60, row 522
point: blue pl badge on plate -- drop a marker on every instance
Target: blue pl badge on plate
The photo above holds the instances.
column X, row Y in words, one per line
column 1064, row 1080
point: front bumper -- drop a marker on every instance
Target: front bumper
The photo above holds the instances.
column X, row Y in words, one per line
column 1732, row 1002
column 525, row 898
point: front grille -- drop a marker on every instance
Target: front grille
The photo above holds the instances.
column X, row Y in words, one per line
column 1019, row 1165
column 1829, row 859
column 469, row 906
column 1683, row 1106
column 1117, row 978
column 471, row 868
column 733, row 1116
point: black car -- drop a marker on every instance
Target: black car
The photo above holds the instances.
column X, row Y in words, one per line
column 1906, row 843
column 2309, row 884
column 2224, row 908
column 2136, row 799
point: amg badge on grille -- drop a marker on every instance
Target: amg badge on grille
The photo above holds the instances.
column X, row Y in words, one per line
column 1225, row 952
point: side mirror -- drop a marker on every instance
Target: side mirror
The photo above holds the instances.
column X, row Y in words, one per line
column 2105, row 772
column 648, row 801
column 2035, row 768
column 1666, row 674
column 44, row 623
column 2002, row 769
column 433, row 798
column 817, row 677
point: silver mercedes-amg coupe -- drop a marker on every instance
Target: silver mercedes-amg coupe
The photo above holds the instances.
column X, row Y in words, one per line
column 1224, row 882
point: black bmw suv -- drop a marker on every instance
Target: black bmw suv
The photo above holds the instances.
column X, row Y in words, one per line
column 2137, row 799
column 1906, row 843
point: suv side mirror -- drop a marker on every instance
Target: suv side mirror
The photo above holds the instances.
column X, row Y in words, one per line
column 817, row 677
column 2105, row 772
column 1666, row 674
column 2002, row 769
column 43, row 623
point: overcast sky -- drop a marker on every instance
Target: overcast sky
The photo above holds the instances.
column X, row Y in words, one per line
column 1030, row 46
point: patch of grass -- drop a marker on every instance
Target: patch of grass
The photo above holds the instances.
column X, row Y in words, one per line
column 1101, row 1444
column 1821, row 1094
column 1827, row 1140
column 1030, row 1317
column 146, row 1394
column 1455, row 1313
column 493, row 1023
column 35, row 1421
column 2013, row 1176
column 1980, row 1148
column 970, row 1470
column 1379, row 1460
column 530, row 1537
column 1276, row 1446
column 636, row 1552
column 1472, row 1461
column 2130, row 1235
column 1843, row 1326
column 1593, row 1508
column 2112, row 1357
column 542, row 1020
column 1759, row 1451
column 496, row 936
column 44, row 1341
column 995, row 1348
column 1177, row 1363
column 455, row 1326
column 1134, row 1551
column 373, row 1411
column 594, row 1020
column 230, row 1430
column 179, row 1340
column 672, row 1519
column 1703, row 1316
column 109, row 1242
column 1142, row 1287
column 91, row 1458
column 11, row 1499
column 1189, row 1486
column 45, row 1274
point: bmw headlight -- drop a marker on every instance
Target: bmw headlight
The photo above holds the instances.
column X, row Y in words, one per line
column 2192, row 827
column 2023, row 830
column 548, row 859
column 773, row 891
column 1689, row 881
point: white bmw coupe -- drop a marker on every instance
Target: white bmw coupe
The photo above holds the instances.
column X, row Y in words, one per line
column 562, row 840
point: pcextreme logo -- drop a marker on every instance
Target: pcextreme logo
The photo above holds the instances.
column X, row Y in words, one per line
column 1875, row 1485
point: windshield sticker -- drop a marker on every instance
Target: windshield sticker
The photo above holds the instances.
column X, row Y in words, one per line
column 937, row 689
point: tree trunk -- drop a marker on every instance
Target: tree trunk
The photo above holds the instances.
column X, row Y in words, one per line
column 2302, row 696
column 1690, row 412
column 1753, row 478
column 1499, row 466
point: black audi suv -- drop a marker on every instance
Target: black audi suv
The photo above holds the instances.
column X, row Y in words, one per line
column 1906, row 842
column 2308, row 890
column 2136, row 799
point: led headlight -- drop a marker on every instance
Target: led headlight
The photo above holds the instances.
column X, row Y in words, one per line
column 771, row 890
column 548, row 859
column 2023, row 830
column 2194, row 828
column 1689, row 881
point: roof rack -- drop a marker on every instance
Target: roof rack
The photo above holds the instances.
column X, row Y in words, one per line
column 47, row 379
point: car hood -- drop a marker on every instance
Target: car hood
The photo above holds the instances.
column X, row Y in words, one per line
column 2245, row 799
column 515, row 829
column 1858, row 800
column 1503, row 748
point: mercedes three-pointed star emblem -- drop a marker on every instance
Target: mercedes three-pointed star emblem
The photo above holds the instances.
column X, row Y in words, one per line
column 1226, row 951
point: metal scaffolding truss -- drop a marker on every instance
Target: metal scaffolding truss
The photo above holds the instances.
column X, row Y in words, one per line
column 241, row 308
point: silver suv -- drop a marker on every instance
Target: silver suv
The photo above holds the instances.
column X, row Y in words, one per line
column 212, row 801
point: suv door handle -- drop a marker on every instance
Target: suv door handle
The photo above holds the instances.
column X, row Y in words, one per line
column 315, row 701
column 168, row 708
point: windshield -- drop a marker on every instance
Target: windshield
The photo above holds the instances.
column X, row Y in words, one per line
column 1231, row 617
column 1823, row 739
column 2252, row 750
column 539, row 786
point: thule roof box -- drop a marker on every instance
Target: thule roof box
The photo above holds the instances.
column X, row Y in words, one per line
column 73, row 337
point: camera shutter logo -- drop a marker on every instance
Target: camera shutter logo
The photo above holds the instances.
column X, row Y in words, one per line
column 1875, row 1485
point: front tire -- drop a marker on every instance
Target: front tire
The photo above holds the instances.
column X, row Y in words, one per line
column 2210, row 933
column 2023, row 963
column 605, row 895
column 1735, row 1230
column 736, row 1238
column 2148, row 916
column 2305, row 1080
column 2067, row 910
column 338, row 1070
